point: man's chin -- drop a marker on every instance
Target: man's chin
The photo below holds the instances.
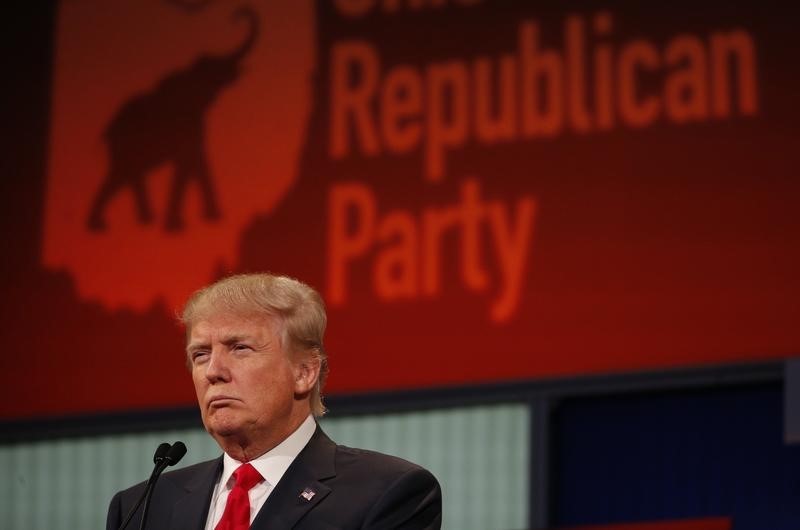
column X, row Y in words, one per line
column 221, row 425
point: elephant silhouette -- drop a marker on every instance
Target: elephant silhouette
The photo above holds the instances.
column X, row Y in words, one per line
column 167, row 125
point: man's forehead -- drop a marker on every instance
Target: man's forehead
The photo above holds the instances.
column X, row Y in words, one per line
column 228, row 324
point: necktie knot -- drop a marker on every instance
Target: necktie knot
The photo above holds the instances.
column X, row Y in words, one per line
column 246, row 477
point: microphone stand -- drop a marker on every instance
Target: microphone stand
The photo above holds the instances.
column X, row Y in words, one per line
column 174, row 454
column 165, row 455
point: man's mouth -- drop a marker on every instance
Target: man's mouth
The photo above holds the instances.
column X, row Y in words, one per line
column 221, row 401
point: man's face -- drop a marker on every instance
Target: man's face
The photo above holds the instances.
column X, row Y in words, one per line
column 246, row 384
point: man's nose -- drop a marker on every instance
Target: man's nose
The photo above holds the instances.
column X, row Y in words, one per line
column 217, row 368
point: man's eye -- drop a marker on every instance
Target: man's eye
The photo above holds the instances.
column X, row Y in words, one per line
column 240, row 347
column 199, row 356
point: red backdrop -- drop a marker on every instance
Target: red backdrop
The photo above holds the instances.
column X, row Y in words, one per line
column 482, row 191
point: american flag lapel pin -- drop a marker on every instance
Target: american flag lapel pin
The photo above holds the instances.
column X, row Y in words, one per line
column 308, row 494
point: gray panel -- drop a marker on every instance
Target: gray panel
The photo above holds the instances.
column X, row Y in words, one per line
column 67, row 484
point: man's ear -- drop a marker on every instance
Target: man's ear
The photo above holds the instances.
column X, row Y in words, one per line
column 306, row 373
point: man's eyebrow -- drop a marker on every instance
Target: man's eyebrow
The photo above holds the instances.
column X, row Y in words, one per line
column 227, row 340
column 192, row 346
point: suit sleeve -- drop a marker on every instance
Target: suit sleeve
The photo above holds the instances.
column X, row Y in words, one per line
column 412, row 502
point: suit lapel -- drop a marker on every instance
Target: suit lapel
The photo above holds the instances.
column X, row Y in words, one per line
column 191, row 510
column 300, row 489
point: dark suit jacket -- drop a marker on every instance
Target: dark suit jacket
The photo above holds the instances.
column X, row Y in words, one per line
column 352, row 488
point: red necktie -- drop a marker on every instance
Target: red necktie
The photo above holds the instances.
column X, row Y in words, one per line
column 237, row 509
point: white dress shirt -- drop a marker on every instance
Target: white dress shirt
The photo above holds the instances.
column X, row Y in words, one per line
column 272, row 465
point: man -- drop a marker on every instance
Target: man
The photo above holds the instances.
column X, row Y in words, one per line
column 255, row 351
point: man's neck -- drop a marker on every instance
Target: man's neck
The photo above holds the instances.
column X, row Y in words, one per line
column 249, row 446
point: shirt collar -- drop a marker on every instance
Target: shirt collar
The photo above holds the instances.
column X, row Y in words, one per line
column 274, row 463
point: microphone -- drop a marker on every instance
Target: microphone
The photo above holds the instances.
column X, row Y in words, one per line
column 165, row 455
column 160, row 452
column 175, row 453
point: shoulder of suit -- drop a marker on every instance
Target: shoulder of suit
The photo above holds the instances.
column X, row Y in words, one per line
column 186, row 476
column 362, row 470
column 378, row 461
column 208, row 466
column 200, row 466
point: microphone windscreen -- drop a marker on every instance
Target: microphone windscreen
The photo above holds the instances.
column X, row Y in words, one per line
column 175, row 453
column 162, row 450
